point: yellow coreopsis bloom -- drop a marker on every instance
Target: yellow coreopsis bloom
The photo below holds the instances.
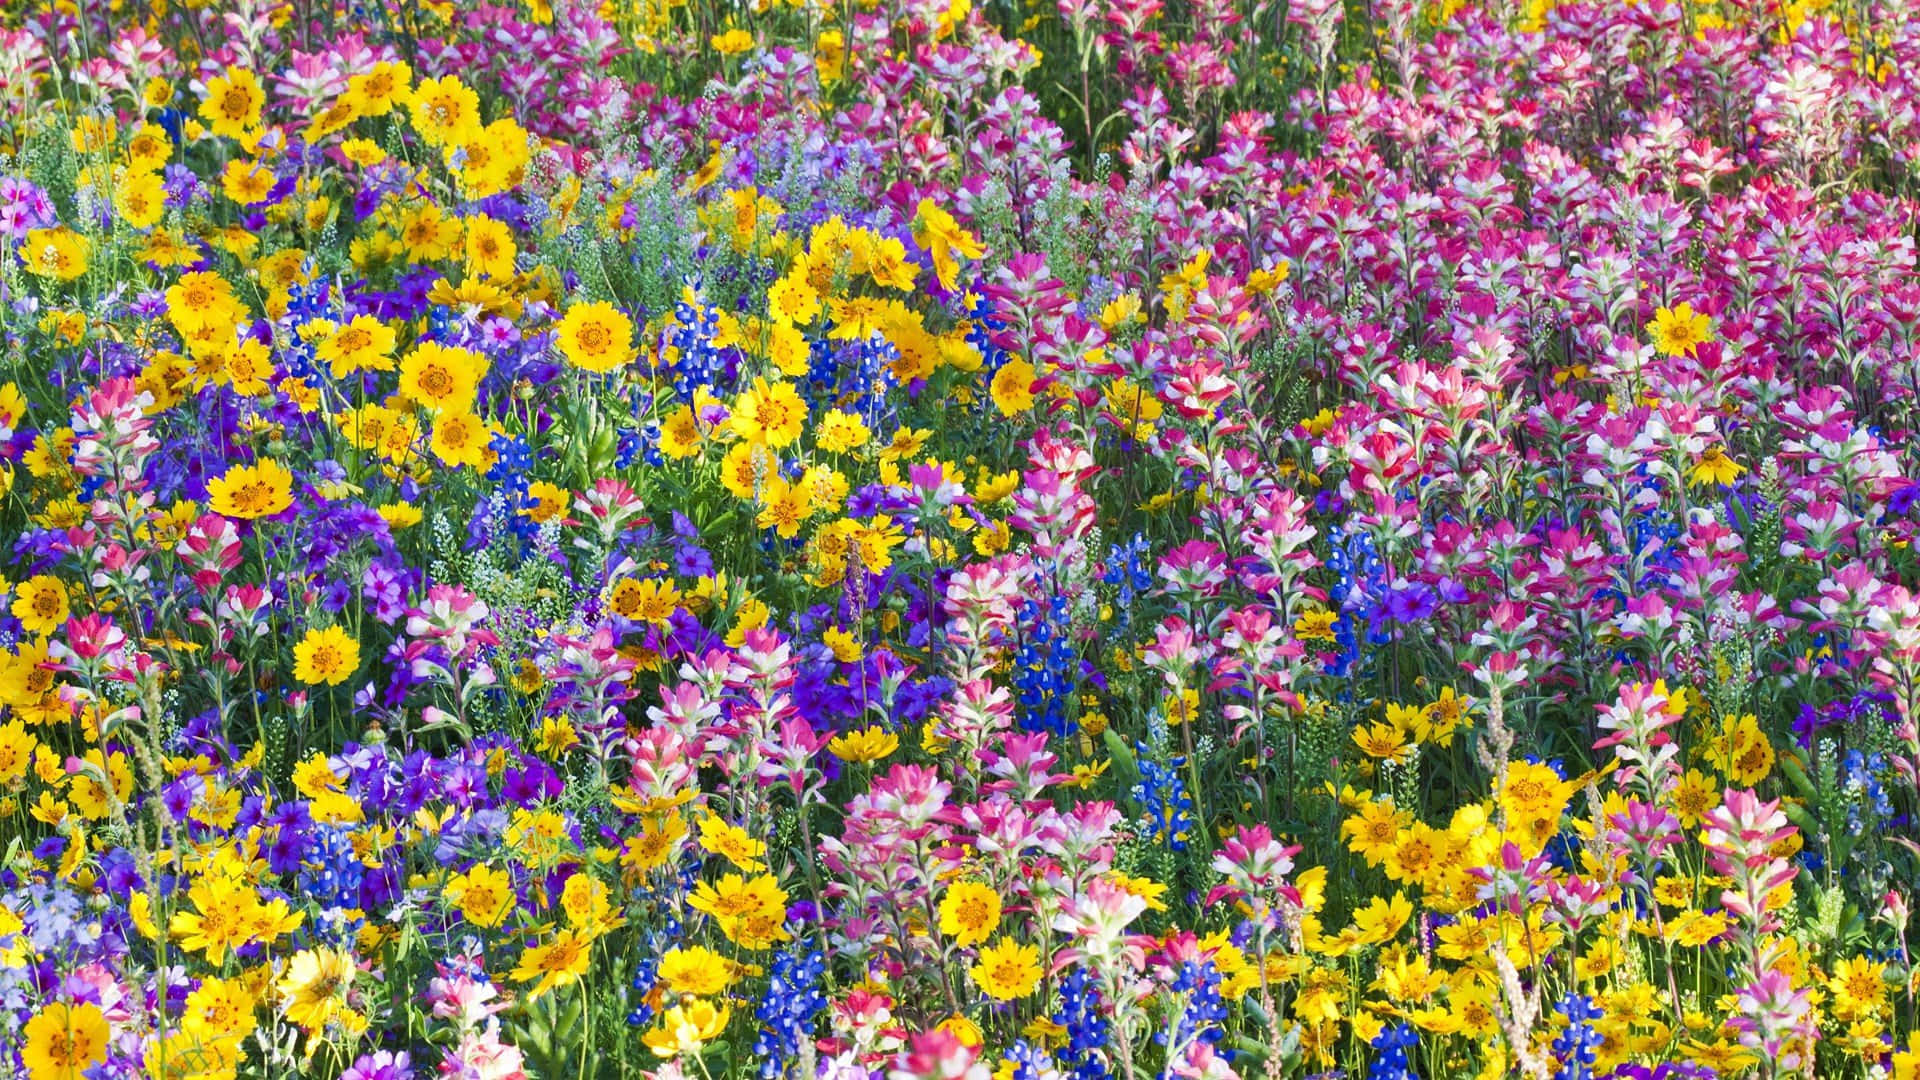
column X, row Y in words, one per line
column 732, row 843
column 233, row 102
column 942, row 238
column 769, row 414
column 63, row 1041
column 868, row 744
column 58, row 253
column 40, row 603
column 695, row 970
column 1007, row 970
column 732, row 42
column 313, row 992
column 1678, row 330
column 685, row 1028
column 444, row 110
column 484, row 895
column 1715, row 467
column 596, row 337
column 552, row 966
column 251, row 491
column 969, row 913
column 326, row 657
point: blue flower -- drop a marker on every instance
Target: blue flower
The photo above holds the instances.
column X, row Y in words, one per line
column 1081, row 1013
column 787, row 1010
column 1574, row 1047
column 1395, row 1044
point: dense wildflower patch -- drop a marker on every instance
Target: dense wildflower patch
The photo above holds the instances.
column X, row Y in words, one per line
column 1097, row 539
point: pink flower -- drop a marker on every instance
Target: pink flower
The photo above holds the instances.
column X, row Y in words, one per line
column 939, row 1055
column 449, row 616
column 482, row 1056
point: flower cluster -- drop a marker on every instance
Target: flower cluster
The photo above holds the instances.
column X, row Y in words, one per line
column 937, row 541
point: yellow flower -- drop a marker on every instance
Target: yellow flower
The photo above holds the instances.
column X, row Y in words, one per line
column 491, row 160
column 220, row 1009
column 695, row 970
column 1416, row 854
column 233, row 102
column 1383, row 918
column 785, row 507
column 326, row 657
column 990, row 488
column 751, row 912
column 90, row 796
column 58, row 253
column 552, row 966
column 399, row 515
column 846, row 648
column 1694, row 929
column 687, row 1027
column 40, row 603
column 732, row 42
column 549, row 501
column 769, row 414
column 1007, row 970
column 963, row 1029
column 363, row 152
column 1382, row 741
column 655, row 844
column 313, row 992
column 484, row 895
column 588, row 904
column 490, row 248
column 681, row 434
column 141, row 198
column 64, row 1041
column 793, row 299
column 251, row 491
column 1859, row 988
column 906, row 443
column 1013, row 387
column 439, row 376
column 365, row 344
column 1741, row 751
column 201, row 302
column 1145, row 888
column 376, row 91
column 16, row 748
column 1694, row 797
column 1678, row 330
column 461, row 438
column 557, row 735
column 841, row 432
column 1715, row 467
column 650, row 601
column 941, row 237
column 867, row 744
column 1531, row 791
column 427, row 233
column 732, row 843
column 596, row 337
column 246, row 182
column 969, row 913
column 444, row 110
column 1444, row 717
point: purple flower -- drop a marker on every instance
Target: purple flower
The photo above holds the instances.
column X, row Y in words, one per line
column 531, row 784
column 381, row 1065
column 23, row 206
column 385, row 590
column 1409, row 601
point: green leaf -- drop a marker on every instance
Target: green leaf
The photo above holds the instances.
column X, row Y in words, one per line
column 1124, row 766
